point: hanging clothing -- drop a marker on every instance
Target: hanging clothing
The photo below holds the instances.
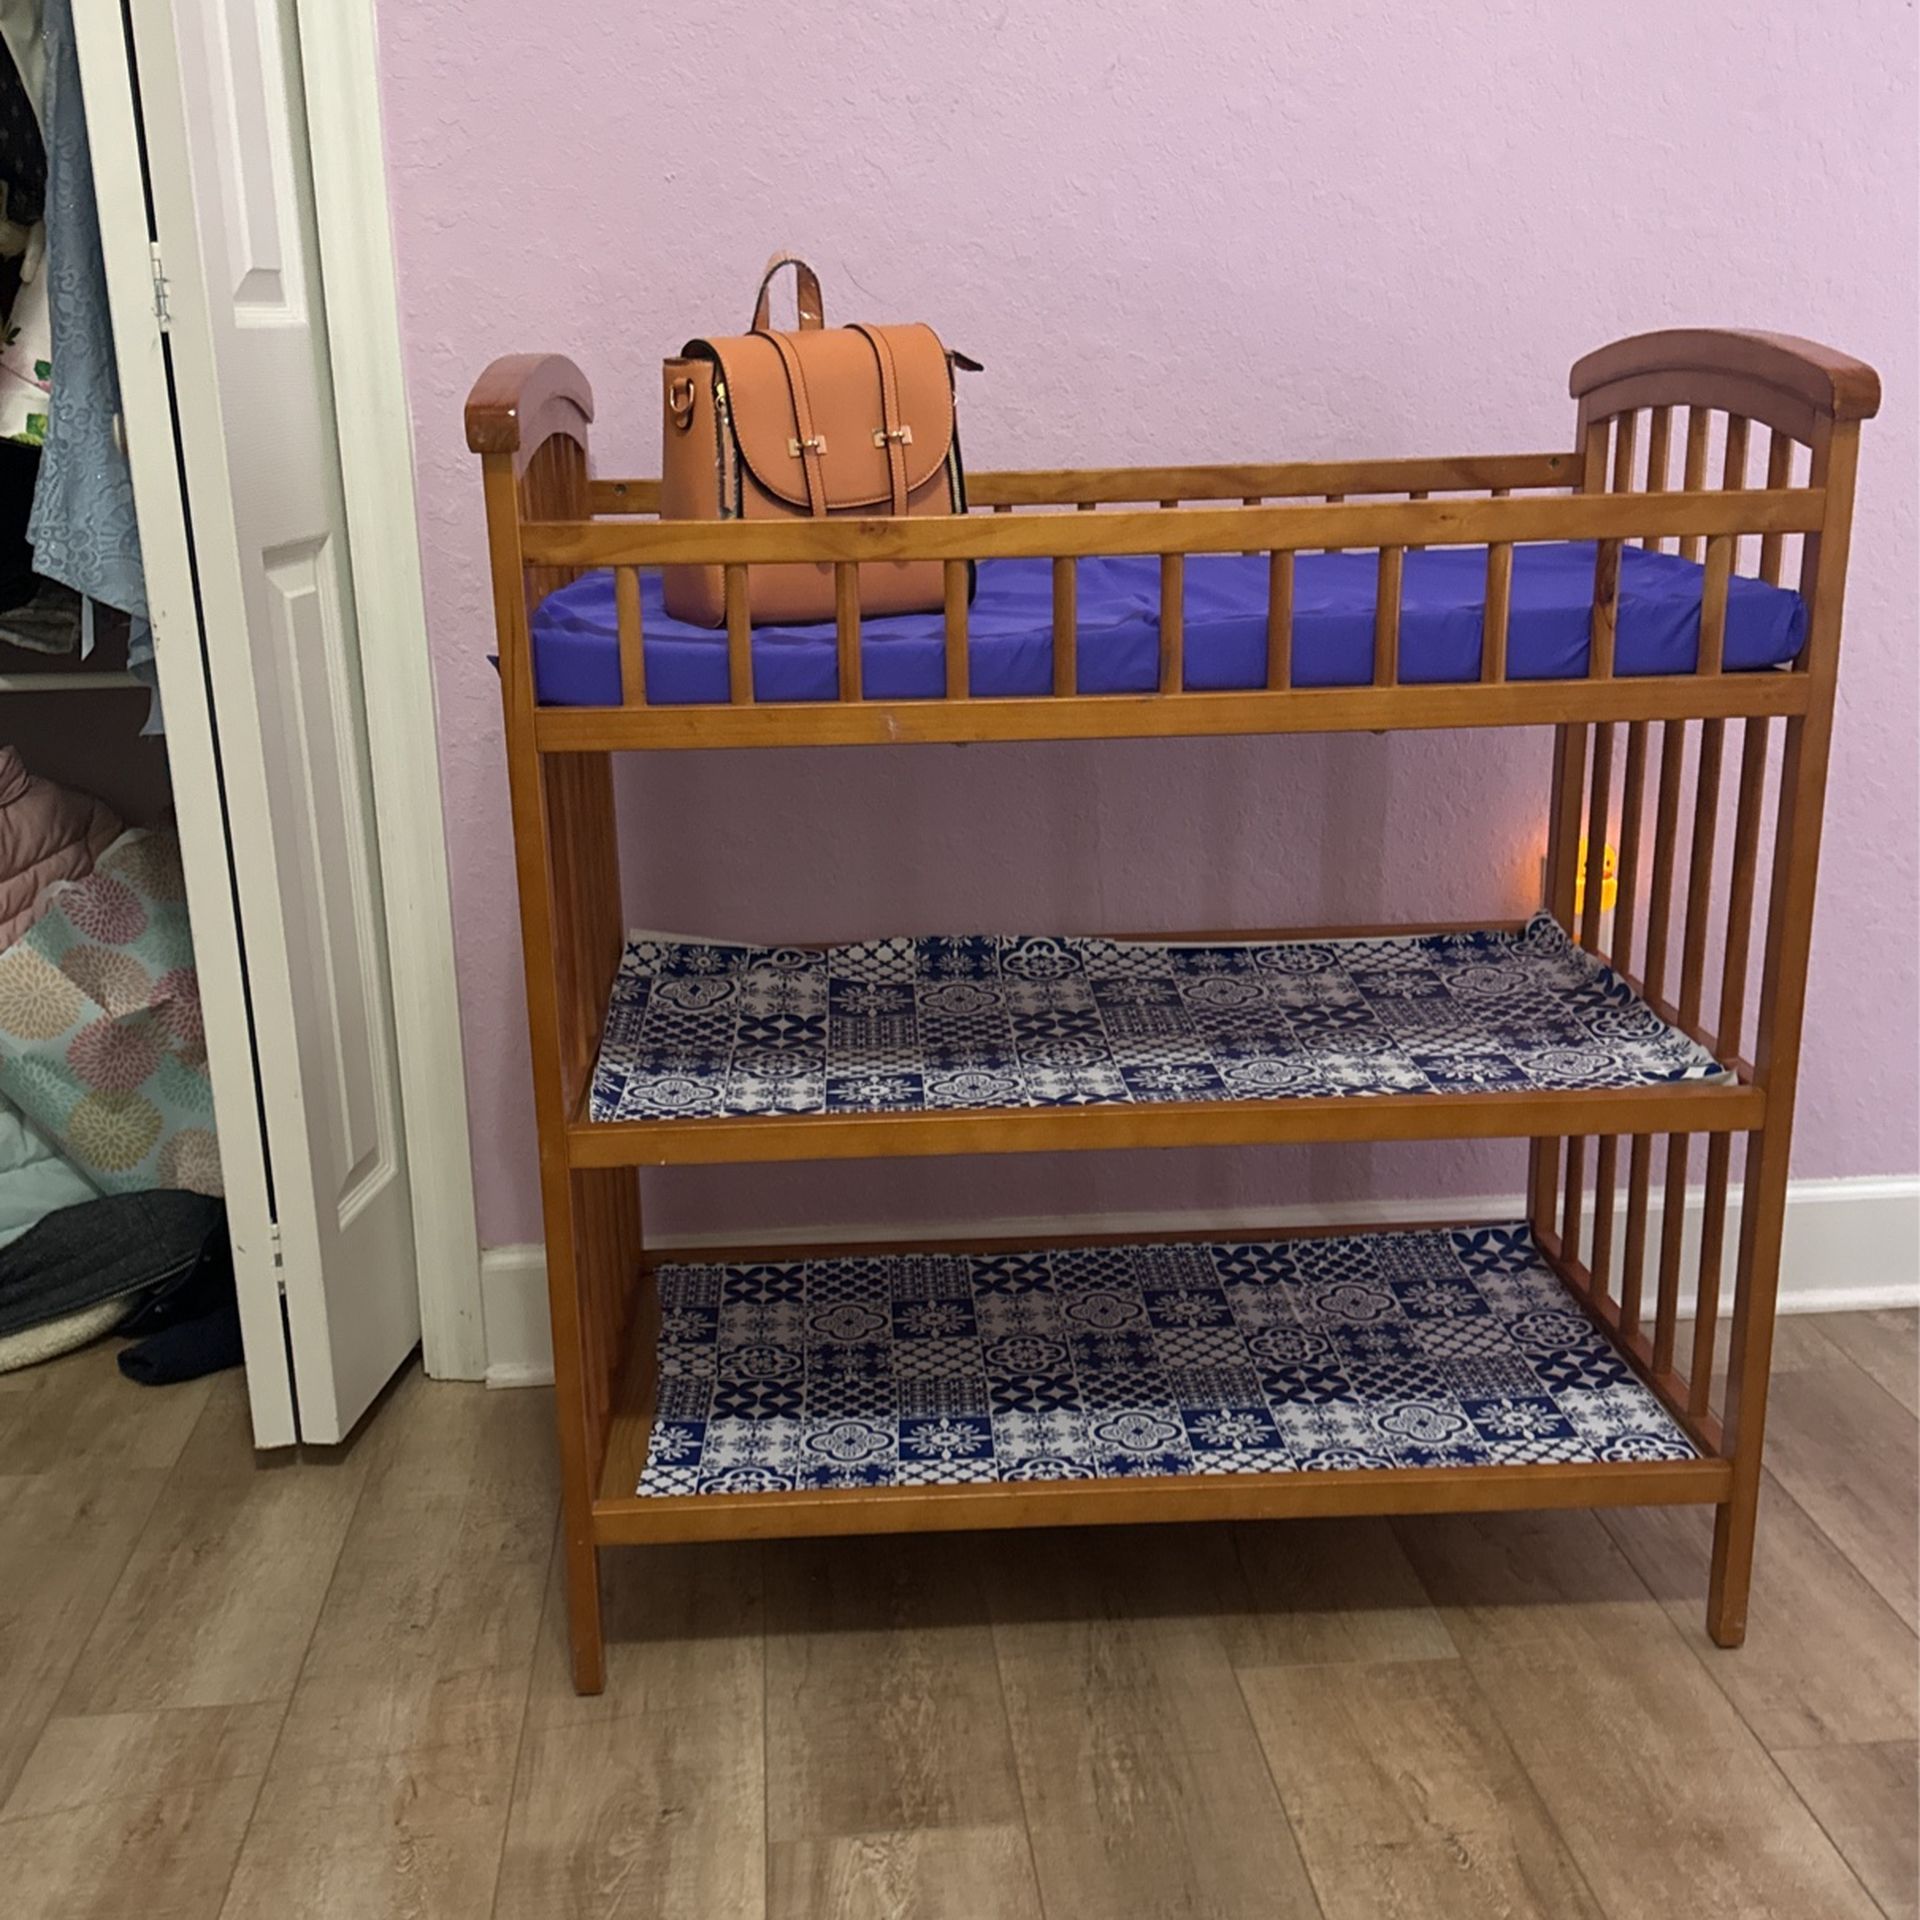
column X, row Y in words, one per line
column 23, row 193
column 26, row 351
column 26, row 339
column 83, row 528
column 20, row 29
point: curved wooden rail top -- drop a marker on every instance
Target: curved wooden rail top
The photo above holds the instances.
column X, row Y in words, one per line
column 523, row 399
column 1833, row 385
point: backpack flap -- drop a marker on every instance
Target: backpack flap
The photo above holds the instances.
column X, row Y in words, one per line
column 869, row 447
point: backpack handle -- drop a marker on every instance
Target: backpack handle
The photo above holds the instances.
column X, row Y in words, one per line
column 806, row 294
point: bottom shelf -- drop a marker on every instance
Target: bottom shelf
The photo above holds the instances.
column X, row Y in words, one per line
column 1362, row 1373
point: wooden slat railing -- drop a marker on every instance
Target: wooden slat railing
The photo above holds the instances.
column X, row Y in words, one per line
column 1683, row 917
column 1333, row 527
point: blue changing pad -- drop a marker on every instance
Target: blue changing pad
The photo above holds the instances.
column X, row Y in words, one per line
column 577, row 662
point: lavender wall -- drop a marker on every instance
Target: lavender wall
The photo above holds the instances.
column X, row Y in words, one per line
column 1194, row 231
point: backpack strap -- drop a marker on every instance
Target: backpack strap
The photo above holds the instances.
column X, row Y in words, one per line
column 808, row 446
column 806, row 294
column 893, row 433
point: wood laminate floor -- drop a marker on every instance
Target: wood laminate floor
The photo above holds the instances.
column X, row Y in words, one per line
column 336, row 1686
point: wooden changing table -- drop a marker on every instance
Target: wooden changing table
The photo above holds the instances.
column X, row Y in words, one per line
column 1710, row 928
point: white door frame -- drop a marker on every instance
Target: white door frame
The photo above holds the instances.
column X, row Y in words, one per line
column 340, row 57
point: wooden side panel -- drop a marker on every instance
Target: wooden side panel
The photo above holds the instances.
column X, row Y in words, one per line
column 567, row 857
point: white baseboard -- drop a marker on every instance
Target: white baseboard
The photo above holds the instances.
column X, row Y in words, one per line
column 513, row 1300
column 1850, row 1244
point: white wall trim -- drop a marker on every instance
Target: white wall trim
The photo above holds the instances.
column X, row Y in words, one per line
column 1850, row 1244
column 340, row 56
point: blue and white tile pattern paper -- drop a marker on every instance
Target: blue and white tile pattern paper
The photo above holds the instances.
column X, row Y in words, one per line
column 1383, row 1350
column 916, row 1025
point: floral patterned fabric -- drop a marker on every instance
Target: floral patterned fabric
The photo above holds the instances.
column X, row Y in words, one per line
column 101, row 1040
column 1085, row 1363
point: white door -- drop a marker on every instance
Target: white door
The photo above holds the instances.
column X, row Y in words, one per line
column 245, row 351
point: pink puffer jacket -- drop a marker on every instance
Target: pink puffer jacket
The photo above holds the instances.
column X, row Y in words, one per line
column 47, row 833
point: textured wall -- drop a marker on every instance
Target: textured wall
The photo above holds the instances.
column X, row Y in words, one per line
column 1196, row 231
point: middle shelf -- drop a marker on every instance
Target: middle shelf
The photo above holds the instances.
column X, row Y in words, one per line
column 716, row 1052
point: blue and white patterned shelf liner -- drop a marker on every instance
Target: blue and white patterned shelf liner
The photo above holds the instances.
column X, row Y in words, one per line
column 700, row 1028
column 1434, row 1349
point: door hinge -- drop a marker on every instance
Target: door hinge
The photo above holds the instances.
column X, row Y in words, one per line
column 161, row 311
column 279, row 1264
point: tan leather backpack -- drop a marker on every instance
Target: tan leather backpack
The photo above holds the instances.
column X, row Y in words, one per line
column 821, row 421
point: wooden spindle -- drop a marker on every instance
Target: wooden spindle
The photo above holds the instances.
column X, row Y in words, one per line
column 1280, row 620
column 1659, row 438
column 739, row 638
column 1673, row 1220
column 1632, row 803
column 1543, row 1174
column 1386, row 616
column 1693, row 960
column 1620, row 954
column 1493, row 630
column 846, row 622
column 633, row 659
column 1624, row 441
column 1742, row 876
column 1173, row 589
column 1593, row 897
column 1733, row 474
column 1706, row 1299
column 1706, row 821
column 1605, row 1176
column 1563, row 840
column 1694, row 469
column 1600, row 807
column 954, row 582
column 1562, row 864
column 1563, row 832
column 1593, row 456
column 1659, row 934
column 1779, row 474
column 1666, row 828
column 1714, row 588
column 1572, row 1199
column 1066, row 626
column 1633, row 1257
column 1606, row 609
column 1729, row 1018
